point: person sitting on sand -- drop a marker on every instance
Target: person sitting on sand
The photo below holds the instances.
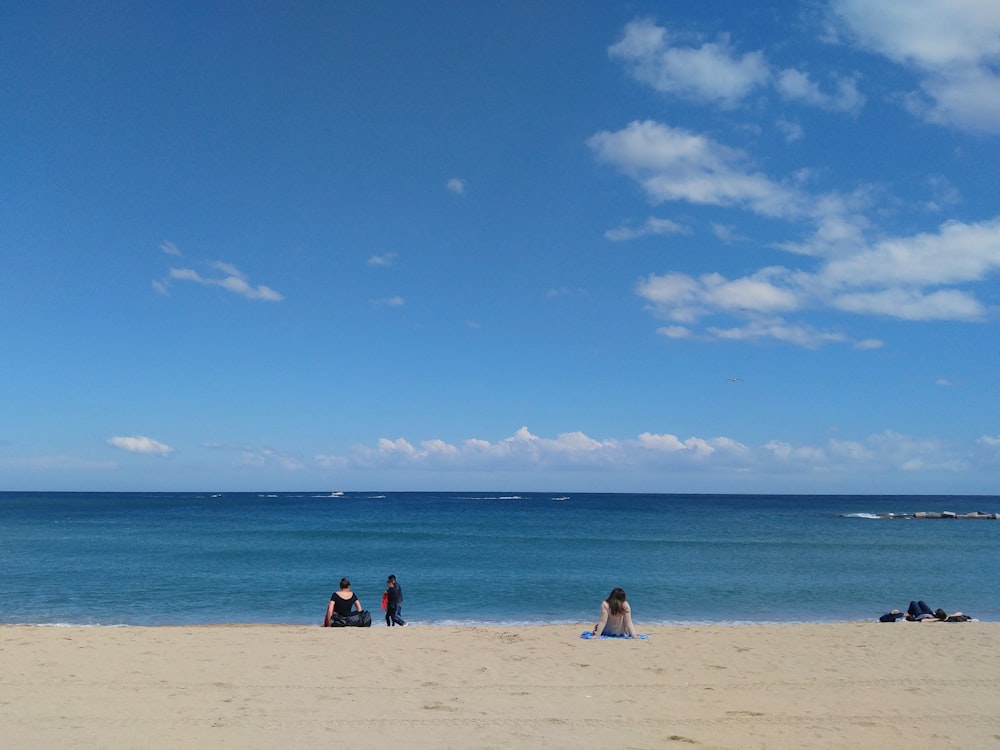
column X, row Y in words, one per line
column 342, row 602
column 616, row 616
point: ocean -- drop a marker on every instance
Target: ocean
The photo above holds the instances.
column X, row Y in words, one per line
column 482, row 558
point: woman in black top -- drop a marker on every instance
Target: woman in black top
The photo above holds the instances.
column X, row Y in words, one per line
column 342, row 602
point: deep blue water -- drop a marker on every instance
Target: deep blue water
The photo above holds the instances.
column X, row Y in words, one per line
column 487, row 558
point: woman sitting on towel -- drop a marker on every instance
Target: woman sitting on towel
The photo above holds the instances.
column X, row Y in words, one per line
column 341, row 602
column 616, row 616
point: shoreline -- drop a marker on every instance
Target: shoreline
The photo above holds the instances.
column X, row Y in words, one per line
column 377, row 622
column 463, row 625
column 827, row 685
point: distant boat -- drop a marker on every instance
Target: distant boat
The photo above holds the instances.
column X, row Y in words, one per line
column 564, row 497
column 336, row 493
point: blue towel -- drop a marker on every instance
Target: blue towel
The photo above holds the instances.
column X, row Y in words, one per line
column 590, row 634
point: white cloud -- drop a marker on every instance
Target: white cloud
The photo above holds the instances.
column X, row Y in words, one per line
column 524, row 452
column 727, row 233
column 928, row 33
column 440, row 448
column 956, row 253
column 786, row 452
column 227, row 268
column 565, row 291
column 652, row 226
column 385, row 260
column 395, row 446
column 684, row 299
column 675, row 332
column 968, row 98
column 954, row 45
column 943, row 194
column 839, row 221
column 395, row 301
column 909, row 278
column 456, row 185
column 792, row 131
column 257, row 457
column 869, row 344
column 672, row 164
column 711, row 72
column 909, row 453
column 170, row 248
column 262, row 457
column 796, row 85
column 911, row 304
column 140, row 444
column 887, row 450
column 778, row 330
column 232, row 280
column 520, row 450
column 694, row 446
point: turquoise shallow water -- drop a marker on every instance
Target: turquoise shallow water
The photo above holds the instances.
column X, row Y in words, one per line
column 487, row 558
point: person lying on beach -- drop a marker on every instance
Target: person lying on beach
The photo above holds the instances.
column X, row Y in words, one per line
column 941, row 616
column 920, row 612
column 341, row 602
column 893, row 616
column 616, row 616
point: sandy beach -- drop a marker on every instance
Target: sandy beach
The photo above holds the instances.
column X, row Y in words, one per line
column 840, row 685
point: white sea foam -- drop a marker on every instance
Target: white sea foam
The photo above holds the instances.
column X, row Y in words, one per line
column 492, row 497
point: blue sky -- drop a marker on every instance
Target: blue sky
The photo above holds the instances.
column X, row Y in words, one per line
column 566, row 246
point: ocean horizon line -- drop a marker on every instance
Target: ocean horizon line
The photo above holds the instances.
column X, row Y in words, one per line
column 496, row 494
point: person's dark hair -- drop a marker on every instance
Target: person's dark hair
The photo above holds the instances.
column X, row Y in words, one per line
column 940, row 614
column 392, row 578
column 344, row 584
column 616, row 601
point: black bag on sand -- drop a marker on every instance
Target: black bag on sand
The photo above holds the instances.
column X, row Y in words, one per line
column 362, row 619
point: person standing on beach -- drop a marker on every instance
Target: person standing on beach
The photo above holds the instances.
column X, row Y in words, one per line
column 394, row 603
column 616, row 616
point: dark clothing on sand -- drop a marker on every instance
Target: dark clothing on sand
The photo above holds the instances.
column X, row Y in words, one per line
column 920, row 611
column 342, row 606
column 891, row 617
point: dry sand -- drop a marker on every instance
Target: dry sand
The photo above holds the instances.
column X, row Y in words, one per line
column 846, row 685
